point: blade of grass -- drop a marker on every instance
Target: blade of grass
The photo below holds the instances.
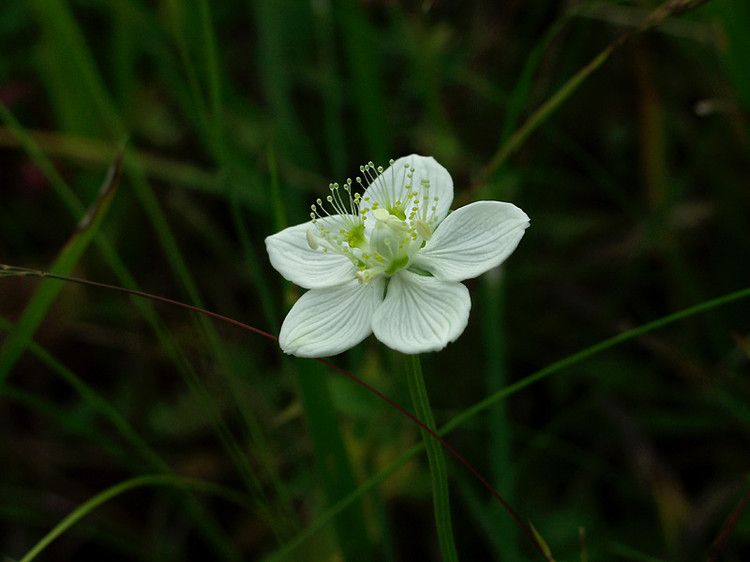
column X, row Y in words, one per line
column 178, row 15
column 61, row 30
column 516, row 140
column 153, row 480
column 46, row 294
column 366, row 77
column 540, row 115
column 590, row 351
column 123, row 56
column 332, row 459
column 273, row 19
column 213, row 77
column 214, row 120
column 493, row 335
column 65, row 34
column 184, row 366
column 425, row 72
column 435, row 458
column 330, row 86
column 735, row 17
column 519, row 96
column 493, row 294
column 541, row 541
column 95, row 152
column 122, row 543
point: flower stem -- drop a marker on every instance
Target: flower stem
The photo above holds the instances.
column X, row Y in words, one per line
column 438, row 471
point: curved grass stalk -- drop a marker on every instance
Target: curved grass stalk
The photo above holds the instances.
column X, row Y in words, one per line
column 140, row 482
column 590, row 351
column 206, row 524
column 86, row 150
column 513, row 142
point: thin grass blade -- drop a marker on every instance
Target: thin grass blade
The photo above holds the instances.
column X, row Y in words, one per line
column 67, row 259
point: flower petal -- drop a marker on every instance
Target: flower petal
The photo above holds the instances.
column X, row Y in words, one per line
column 390, row 187
column 328, row 321
column 421, row 313
column 472, row 240
column 291, row 255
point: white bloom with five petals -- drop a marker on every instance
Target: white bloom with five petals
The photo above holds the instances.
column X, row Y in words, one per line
column 389, row 261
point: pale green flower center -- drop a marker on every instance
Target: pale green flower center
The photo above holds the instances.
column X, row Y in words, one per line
column 401, row 227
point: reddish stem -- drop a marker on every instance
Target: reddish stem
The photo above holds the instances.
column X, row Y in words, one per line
column 722, row 539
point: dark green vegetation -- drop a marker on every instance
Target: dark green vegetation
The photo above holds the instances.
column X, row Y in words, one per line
column 235, row 116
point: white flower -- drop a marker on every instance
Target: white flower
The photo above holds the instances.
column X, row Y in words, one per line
column 389, row 261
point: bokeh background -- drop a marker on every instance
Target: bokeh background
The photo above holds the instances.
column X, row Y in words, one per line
column 235, row 116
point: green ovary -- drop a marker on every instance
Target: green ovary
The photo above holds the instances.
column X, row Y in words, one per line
column 396, row 264
column 355, row 236
column 397, row 211
column 390, row 242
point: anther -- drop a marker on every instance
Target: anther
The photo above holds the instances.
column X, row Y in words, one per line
column 423, row 229
column 311, row 240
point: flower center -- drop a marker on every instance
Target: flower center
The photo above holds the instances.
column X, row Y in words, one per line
column 392, row 239
column 404, row 216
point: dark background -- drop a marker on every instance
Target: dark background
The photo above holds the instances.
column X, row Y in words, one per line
column 236, row 115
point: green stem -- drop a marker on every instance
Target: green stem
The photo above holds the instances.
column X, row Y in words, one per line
column 436, row 459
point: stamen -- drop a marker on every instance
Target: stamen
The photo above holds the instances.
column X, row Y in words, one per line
column 423, row 229
column 405, row 212
column 311, row 240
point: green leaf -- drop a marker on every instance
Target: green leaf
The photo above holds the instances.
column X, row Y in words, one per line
column 67, row 259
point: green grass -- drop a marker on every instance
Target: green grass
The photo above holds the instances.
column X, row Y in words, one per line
column 626, row 143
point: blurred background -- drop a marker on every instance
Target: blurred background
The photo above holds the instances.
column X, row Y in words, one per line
column 235, row 116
